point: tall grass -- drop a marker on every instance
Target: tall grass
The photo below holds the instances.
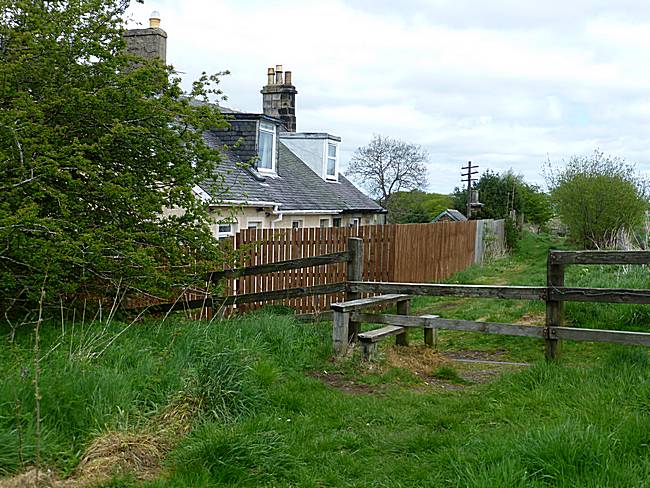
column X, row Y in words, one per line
column 227, row 368
column 608, row 315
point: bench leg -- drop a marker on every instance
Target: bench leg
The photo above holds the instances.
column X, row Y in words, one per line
column 341, row 323
column 431, row 337
column 369, row 350
column 403, row 308
column 353, row 331
column 402, row 339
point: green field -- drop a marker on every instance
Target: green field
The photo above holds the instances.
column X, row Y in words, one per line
column 258, row 401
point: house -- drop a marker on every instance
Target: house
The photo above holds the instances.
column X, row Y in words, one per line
column 271, row 175
column 450, row 215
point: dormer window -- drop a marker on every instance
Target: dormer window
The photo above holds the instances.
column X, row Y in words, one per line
column 266, row 141
column 330, row 171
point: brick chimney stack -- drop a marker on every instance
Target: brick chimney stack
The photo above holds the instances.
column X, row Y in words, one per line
column 279, row 97
column 148, row 43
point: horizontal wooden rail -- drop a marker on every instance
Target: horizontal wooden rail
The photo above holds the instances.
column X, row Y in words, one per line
column 352, row 305
column 568, row 333
column 476, row 291
column 598, row 335
column 264, row 296
column 600, row 257
column 337, row 257
column 608, row 295
column 452, row 324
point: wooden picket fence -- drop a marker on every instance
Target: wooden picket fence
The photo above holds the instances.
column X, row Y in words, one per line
column 416, row 253
column 413, row 253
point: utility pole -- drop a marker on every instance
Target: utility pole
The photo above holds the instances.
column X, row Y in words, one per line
column 468, row 175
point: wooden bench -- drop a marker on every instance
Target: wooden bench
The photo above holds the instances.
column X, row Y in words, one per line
column 348, row 317
column 370, row 339
column 346, row 330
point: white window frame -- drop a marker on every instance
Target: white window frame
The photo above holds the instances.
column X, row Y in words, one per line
column 254, row 224
column 268, row 128
column 224, row 234
column 325, row 221
column 326, row 158
column 300, row 223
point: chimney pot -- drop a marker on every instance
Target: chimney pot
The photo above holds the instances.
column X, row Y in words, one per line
column 278, row 75
column 271, row 76
column 287, row 77
column 154, row 19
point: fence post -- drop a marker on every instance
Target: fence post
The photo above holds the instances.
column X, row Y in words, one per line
column 554, row 309
column 354, row 273
column 403, row 308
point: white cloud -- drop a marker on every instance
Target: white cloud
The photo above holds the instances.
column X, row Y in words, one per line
column 503, row 83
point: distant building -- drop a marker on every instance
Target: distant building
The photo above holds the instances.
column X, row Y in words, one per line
column 450, row 215
column 272, row 175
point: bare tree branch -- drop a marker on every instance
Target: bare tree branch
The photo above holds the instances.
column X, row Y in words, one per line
column 388, row 165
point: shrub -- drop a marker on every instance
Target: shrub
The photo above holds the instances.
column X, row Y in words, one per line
column 598, row 197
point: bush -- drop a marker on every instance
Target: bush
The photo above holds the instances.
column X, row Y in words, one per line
column 513, row 234
column 598, row 197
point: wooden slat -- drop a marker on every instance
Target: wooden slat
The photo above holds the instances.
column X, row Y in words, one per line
column 352, row 305
column 478, row 291
column 596, row 335
column 337, row 257
column 452, row 324
column 378, row 334
column 600, row 257
column 246, row 298
column 608, row 295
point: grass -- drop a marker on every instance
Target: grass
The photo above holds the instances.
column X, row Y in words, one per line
column 528, row 267
column 447, row 373
column 244, row 402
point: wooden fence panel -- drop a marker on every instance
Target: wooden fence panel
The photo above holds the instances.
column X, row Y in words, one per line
column 413, row 253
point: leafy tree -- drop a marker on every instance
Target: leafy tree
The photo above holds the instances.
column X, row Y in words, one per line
column 386, row 166
column 94, row 143
column 537, row 205
column 416, row 206
column 598, row 197
column 501, row 193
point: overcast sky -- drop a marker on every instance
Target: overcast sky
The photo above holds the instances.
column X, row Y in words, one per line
column 505, row 84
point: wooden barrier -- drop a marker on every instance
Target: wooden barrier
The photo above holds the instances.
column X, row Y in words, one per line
column 554, row 295
column 405, row 252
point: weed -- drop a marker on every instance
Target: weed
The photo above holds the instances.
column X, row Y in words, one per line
column 450, row 375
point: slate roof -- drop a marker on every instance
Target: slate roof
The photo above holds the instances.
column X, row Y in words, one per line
column 296, row 186
column 452, row 213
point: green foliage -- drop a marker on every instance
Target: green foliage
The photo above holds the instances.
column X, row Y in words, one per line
column 501, row 193
column 94, row 143
column 597, row 197
column 513, row 234
column 537, row 206
column 416, row 206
